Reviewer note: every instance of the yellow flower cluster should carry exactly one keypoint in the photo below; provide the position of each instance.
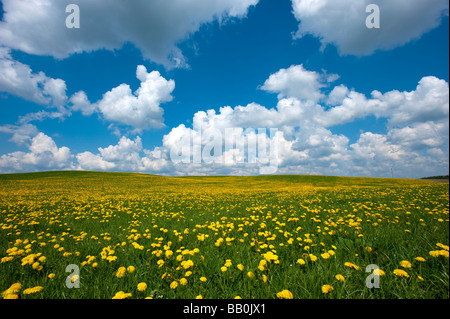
(443, 252)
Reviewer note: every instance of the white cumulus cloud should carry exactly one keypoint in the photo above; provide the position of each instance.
(154, 27)
(139, 109)
(43, 154)
(343, 22)
(18, 79)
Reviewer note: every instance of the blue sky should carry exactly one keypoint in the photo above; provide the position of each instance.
(308, 68)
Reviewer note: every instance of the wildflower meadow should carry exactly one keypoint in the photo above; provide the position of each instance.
(119, 235)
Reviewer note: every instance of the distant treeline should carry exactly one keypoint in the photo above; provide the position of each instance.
(436, 177)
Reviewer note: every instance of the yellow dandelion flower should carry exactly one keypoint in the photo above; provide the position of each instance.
(187, 264)
(223, 268)
(327, 288)
(199, 297)
(169, 253)
(203, 279)
(6, 259)
(131, 269)
(173, 285)
(183, 281)
(12, 290)
(339, 277)
(240, 267)
(251, 275)
(325, 255)
(400, 273)
(32, 290)
(434, 253)
(421, 259)
(445, 247)
(121, 295)
(285, 294)
(142, 286)
(301, 261)
(405, 264)
(121, 272)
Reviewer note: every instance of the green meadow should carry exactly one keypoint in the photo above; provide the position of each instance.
(122, 235)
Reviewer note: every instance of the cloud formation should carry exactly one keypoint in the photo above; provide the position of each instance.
(343, 23)
(223, 142)
(140, 109)
(43, 154)
(18, 79)
(154, 27)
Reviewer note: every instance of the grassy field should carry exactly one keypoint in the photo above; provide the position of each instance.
(143, 236)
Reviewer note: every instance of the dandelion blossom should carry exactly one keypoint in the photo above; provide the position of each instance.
(187, 264)
(13, 290)
(339, 277)
(327, 288)
(285, 294)
(142, 286)
(301, 261)
(121, 272)
(401, 273)
(405, 264)
(325, 255)
(183, 281)
(32, 290)
(121, 295)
